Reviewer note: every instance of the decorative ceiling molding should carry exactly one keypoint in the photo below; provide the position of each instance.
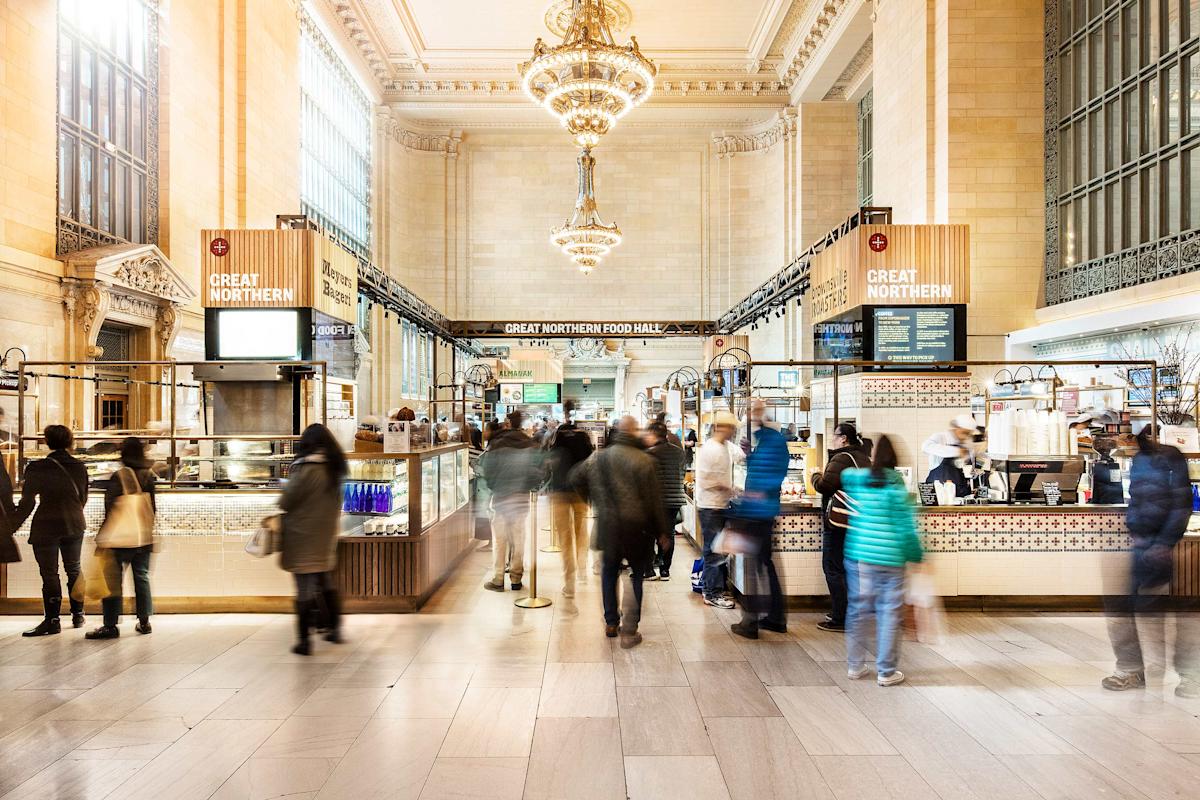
(408, 89)
(787, 30)
(362, 34)
(784, 127)
(447, 145)
(854, 73)
(558, 16)
(808, 37)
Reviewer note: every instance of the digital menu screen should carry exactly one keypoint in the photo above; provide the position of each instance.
(914, 335)
(839, 340)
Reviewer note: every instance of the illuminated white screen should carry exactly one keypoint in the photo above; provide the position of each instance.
(258, 333)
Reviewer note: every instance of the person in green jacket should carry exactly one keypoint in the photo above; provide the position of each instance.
(881, 541)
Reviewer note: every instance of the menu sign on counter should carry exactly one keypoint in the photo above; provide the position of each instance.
(1052, 492)
(914, 335)
(928, 493)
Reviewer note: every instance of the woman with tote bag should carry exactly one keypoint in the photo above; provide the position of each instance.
(128, 536)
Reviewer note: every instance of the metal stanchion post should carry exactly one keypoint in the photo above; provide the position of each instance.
(533, 601)
(555, 546)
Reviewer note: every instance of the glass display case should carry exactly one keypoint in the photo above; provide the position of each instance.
(464, 477)
(448, 485)
(375, 497)
(429, 492)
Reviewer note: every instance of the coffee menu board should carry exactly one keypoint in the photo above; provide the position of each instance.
(914, 335)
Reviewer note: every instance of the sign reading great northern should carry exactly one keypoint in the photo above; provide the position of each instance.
(278, 269)
(892, 265)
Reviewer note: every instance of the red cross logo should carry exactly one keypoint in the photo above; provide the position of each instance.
(877, 242)
(219, 246)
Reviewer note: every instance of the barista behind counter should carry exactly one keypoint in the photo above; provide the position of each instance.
(950, 450)
(1107, 486)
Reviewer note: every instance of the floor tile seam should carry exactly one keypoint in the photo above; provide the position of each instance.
(1029, 719)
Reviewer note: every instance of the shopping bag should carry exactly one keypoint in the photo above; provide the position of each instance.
(130, 521)
(928, 616)
(267, 539)
(92, 583)
(698, 576)
(733, 540)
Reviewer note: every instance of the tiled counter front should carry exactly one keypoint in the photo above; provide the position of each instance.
(984, 552)
(201, 552)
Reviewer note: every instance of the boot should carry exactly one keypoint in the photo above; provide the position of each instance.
(50, 624)
(303, 620)
(333, 614)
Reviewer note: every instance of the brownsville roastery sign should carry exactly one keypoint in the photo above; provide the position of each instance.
(899, 265)
(278, 269)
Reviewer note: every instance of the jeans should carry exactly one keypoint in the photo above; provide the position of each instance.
(46, 554)
(138, 559)
(627, 614)
(712, 521)
(760, 575)
(833, 564)
(568, 521)
(1137, 621)
(877, 590)
(509, 526)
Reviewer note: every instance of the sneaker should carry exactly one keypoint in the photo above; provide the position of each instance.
(103, 632)
(334, 636)
(650, 575)
(610, 631)
(143, 627)
(1121, 681)
(518, 586)
(568, 593)
(629, 640)
(492, 586)
(1188, 688)
(77, 620)
(832, 627)
(891, 679)
(718, 602)
(858, 673)
(664, 574)
(302, 648)
(743, 630)
(776, 627)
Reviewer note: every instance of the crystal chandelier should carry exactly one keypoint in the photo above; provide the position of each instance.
(589, 81)
(585, 237)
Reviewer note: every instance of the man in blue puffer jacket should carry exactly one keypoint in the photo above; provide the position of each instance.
(1160, 507)
(755, 512)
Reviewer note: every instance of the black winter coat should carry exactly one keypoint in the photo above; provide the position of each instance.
(829, 482)
(58, 486)
(1160, 497)
(621, 483)
(668, 460)
(8, 513)
(570, 446)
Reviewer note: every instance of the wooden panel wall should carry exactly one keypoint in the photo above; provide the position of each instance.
(1186, 580)
(940, 254)
(281, 259)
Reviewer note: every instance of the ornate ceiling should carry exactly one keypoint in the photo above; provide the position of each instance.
(726, 61)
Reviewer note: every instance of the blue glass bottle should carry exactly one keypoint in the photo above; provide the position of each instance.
(356, 499)
(1195, 498)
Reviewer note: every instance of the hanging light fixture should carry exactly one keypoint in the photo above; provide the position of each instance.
(589, 81)
(585, 237)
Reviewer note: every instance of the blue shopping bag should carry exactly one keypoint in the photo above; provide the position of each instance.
(698, 576)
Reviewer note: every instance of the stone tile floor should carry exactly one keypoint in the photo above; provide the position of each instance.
(475, 698)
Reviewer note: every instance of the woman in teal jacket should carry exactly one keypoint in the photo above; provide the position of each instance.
(882, 539)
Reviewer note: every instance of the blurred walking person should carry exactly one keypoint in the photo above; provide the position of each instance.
(58, 486)
(849, 451)
(9, 553)
(312, 508)
(511, 467)
(668, 461)
(128, 534)
(567, 447)
(621, 484)
(881, 542)
(755, 510)
(1160, 506)
(714, 492)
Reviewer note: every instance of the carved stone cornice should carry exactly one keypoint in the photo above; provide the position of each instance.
(139, 268)
(808, 37)
(784, 127)
(357, 29)
(854, 72)
(447, 145)
(492, 89)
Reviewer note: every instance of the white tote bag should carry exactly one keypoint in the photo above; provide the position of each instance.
(130, 521)
(267, 539)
